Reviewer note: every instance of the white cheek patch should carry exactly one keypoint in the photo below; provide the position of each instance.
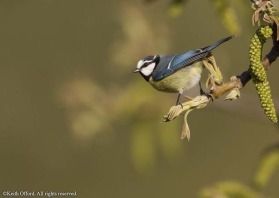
(148, 69)
(140, 64)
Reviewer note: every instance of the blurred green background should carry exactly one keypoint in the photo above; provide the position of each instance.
(75, 118)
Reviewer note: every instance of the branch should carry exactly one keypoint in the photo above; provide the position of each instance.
(218, 89)
(245, 77)
(264, 10)
(233, 86)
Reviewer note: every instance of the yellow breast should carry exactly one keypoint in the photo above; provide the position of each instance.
(181, 80)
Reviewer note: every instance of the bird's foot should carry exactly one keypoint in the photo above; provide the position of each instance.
(207, 94)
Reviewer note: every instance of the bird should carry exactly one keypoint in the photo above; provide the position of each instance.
(176, 73)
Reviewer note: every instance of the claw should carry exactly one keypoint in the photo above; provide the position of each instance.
(202, 92)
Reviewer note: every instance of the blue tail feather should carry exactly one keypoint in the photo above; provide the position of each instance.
(216, 44)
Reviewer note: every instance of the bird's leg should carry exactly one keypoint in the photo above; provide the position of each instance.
(202, 92)
(178, 97)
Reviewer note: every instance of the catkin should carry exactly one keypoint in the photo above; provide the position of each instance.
(258, 72)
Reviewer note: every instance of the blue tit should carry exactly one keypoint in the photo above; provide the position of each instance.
(178, 72)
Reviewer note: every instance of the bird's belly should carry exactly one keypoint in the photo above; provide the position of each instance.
(179, 81)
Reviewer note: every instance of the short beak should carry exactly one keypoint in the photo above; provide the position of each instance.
(136, 70)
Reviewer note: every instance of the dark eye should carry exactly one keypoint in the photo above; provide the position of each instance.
(146, 63)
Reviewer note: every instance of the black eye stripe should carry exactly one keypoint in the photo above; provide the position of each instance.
(149, 60)
(146, 63)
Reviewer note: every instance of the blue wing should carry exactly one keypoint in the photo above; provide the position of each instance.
(170, 64)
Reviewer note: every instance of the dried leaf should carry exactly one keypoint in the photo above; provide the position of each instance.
(233, 95)
(186, 129)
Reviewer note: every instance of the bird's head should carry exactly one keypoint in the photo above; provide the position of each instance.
(147, 65)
